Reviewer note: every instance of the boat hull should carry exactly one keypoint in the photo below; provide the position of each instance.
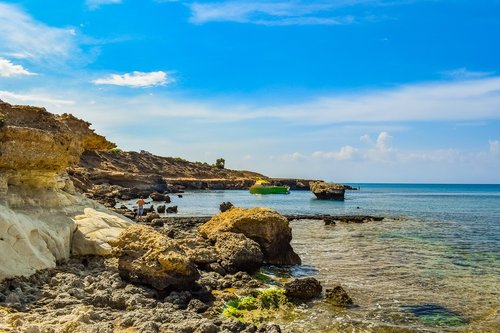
(269, 190)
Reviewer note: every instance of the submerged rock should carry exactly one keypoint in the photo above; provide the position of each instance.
(226, 205)
(148, 257)
(262, 225)
(338, 296)
(304, 289)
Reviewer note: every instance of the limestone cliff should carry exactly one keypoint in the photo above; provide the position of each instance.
(38, 202)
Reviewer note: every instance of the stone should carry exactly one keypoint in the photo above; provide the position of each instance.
(155, 196)
(327, 191)
(150, 258)
(338, 296)
(304, 289)
(94, 230)
(238, 253)
(161, 209)
(172, 210)
(226, 205)
(263, 225)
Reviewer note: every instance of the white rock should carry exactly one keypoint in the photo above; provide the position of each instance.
(94, 229)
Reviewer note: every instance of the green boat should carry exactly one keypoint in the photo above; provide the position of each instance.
(263, 187)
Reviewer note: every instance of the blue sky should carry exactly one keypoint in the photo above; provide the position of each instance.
(345, 90)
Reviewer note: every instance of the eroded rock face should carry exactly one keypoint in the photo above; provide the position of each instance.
(263, 225)
(148, 257)
(327, 191)
(37, 198)
(338, 296)
(94, 230)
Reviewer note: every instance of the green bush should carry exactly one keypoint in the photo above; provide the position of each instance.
(115, 150)
(2, 120)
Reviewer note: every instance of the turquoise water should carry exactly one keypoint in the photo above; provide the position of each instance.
(432, 266)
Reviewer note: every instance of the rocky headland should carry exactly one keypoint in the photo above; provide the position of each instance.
(70, 264)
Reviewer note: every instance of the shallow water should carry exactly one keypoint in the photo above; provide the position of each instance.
(432, 266)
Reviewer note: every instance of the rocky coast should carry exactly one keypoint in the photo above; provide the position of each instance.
(71, 262)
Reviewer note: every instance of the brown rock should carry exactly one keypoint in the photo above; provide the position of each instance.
(148, 257)
(305, 289)
(262, 225)
(327, 191)
(238, 253)
(338, 296)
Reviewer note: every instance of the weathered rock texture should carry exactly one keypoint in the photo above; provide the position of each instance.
(327, 191)
(304, 289)
(148, 257)
(94, 230)
(37, 199)
(263, 225)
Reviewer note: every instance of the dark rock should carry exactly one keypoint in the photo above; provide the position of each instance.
(225, 206)
(304, 289)
(179, 195)
(197, 306)
(172, 210)
(338, 296)
(161, 208)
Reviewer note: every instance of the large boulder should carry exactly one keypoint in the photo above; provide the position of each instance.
(262, 225)
(238, 253)
(327, 191)
(148, 257)
(338, 296)
(94, 230)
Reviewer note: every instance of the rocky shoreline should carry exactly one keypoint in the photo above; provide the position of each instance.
(71, 264)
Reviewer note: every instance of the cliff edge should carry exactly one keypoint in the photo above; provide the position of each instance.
(38, 202)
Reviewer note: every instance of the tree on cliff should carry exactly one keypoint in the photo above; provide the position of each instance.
(220, 163)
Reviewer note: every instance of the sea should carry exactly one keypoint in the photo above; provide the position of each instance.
(432, 265)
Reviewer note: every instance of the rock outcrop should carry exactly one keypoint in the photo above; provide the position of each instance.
(37, 199)
(263, 225)
(238, 253)
(327, 191)
(148, 257)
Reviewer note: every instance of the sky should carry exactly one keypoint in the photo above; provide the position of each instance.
(342, 90)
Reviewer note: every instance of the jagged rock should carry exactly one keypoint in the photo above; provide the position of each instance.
(305, 289)
(148, 257)
(226, 205)
(94, 230)
(172, 210)
(237, 252)
(161, 208)
(151, 216)
(327, 191)
(262, 225)
(338, 296)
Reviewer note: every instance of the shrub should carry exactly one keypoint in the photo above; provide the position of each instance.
(115, 150)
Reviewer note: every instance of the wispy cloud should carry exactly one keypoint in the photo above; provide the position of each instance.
(23, 37)
(464, 73)
(345, 153)
(94, 4)
(277, 13)
(136, 79)
(33, 99)
(494, 147)
(8, 69)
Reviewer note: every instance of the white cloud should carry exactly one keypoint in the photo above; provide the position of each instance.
(345, 153)
(93, 4)
(463, 73)
(8, 69)
(271, 12)
(382, 142)
(23, 37)
(136, 79)
(33, 99)
(455, 100)
(494, 147)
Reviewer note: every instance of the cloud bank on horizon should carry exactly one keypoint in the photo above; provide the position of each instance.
(352, 91)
